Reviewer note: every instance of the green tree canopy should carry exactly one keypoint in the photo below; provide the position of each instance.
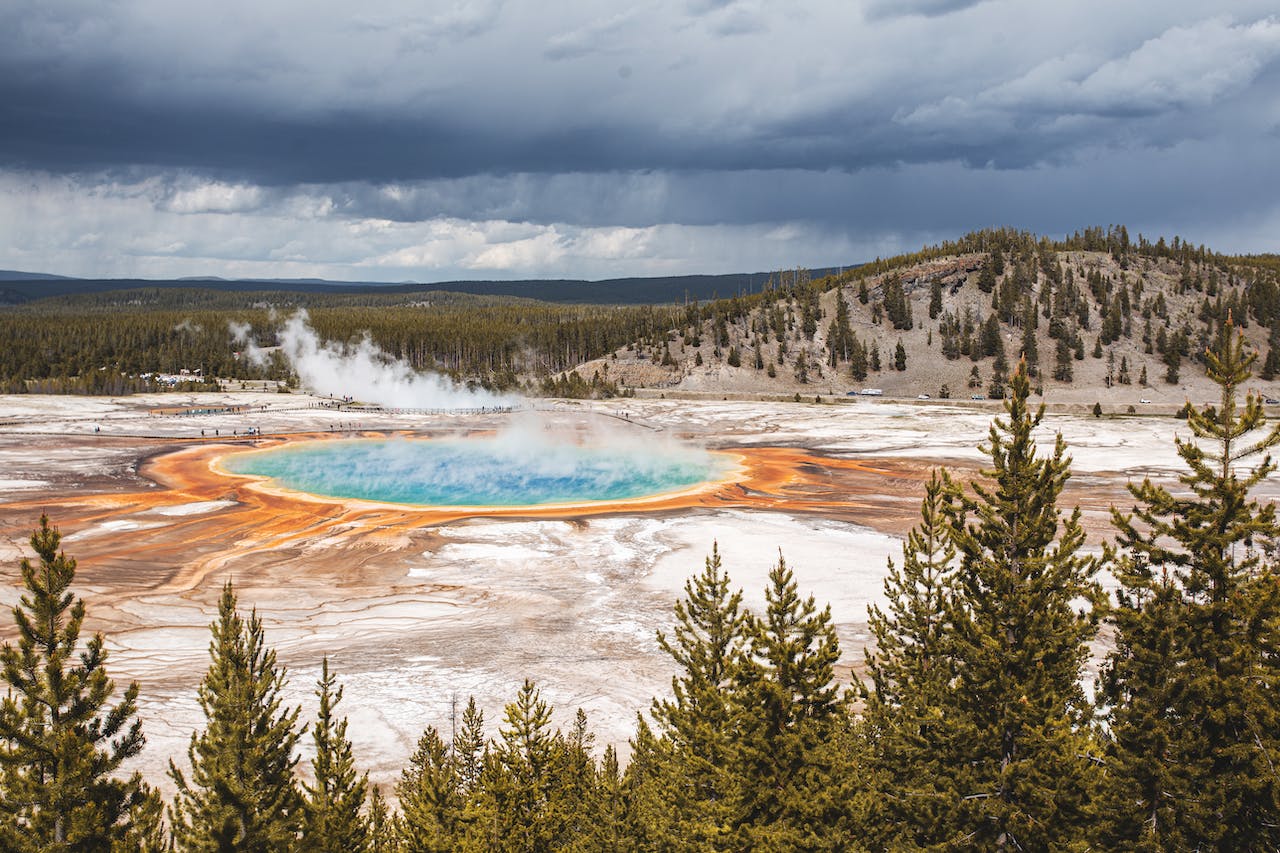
(60, 744)
(333, 821)
(706, 644)
(912, 670)
(242, 794)
(788, 715)
(1025, 606)
(1194, 682)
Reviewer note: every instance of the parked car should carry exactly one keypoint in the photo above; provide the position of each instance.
(923, 397)
(1271, 401)
(1144, 400)
(977, 397)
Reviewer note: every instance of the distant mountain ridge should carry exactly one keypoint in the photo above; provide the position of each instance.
(23, 287)
(19, 275)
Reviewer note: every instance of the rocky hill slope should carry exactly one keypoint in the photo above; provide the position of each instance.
(1098, 320)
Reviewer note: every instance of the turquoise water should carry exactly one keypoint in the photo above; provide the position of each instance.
(477, 471)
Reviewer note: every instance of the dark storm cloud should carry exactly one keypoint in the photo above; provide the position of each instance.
(912, 117)
(75, 127)
(233, 113)
(296, 115)
(932, 198)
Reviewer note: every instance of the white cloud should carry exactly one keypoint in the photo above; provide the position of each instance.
(130, 230)
(544, 251)
(599, 35)
(214, 197)
(1184, 67)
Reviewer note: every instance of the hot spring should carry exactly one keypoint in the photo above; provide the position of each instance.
(479, 471)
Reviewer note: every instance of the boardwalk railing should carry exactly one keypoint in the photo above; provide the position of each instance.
(468, 410)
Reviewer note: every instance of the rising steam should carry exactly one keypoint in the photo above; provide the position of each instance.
(363, 372)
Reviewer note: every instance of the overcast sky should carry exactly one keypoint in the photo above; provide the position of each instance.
(414, 139)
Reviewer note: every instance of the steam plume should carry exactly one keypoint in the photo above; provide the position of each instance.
(366, 373)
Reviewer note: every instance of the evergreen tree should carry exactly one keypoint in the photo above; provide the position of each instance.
(802, 368)
(1025, 607)
(789, 715)
(382, 829)
(911, 671)
(652, 798)
(999, 377)
(1192, 683)
(430, 800)
(468, 747)
(987, 277)
(59, 742)
(721, 331)
(707, 643)
(609, 829)
(1062, 370)
(992, 343)
(858, 360)
(1142, 788)
(333, 819)
(935, 299)
(840, 339)
(517, 784)
(146, 832)
(573, 799)
(900, 357)
(241, 795)
(1271, 365)
(1172, 363)
(896, 304)
(1030, 350)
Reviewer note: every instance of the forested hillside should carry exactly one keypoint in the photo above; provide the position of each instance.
(1097, 315)
(84, 344)
(25, 287)
(1094, 312)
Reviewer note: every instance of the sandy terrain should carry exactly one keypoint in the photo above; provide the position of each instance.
(418, 608)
